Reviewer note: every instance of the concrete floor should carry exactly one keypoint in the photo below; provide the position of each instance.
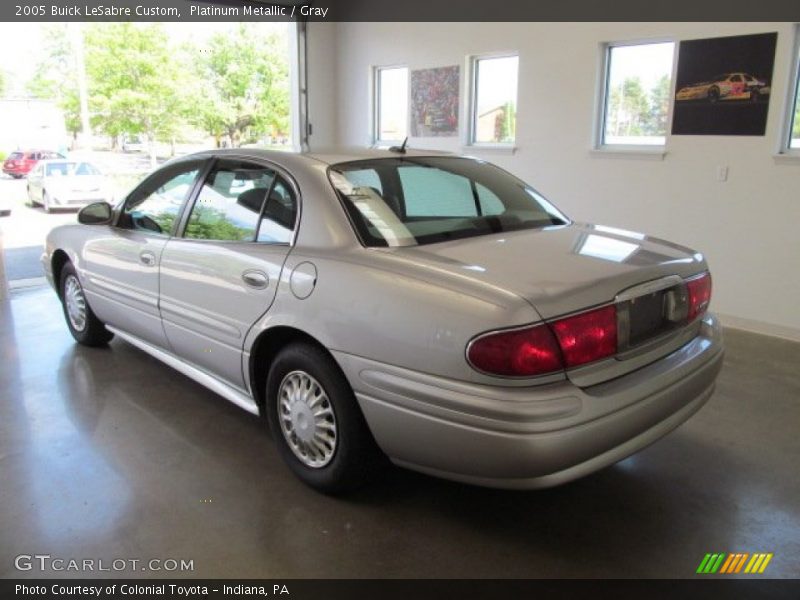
(106, 453)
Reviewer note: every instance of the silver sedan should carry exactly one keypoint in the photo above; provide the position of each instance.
(426, 308)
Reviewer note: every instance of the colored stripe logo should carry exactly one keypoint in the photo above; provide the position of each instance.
(737, 562)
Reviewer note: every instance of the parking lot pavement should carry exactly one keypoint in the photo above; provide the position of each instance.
(24, 230)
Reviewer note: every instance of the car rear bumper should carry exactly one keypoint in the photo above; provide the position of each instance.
(16, 170)
(531, 437)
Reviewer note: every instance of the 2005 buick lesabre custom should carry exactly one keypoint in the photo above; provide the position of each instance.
(424, 307)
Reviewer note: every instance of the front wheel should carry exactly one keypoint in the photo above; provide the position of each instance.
(316, 421)
(83, 324)
(46, 201)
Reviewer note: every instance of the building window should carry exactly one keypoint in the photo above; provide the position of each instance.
(794, 107)
(391, 104)
(637, 94)
(494, 99)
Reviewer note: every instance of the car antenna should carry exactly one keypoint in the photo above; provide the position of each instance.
(400, 149)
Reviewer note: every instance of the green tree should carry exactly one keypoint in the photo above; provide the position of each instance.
(134, 83)
(505, 127)
(245, 90)
(55, 77)
(656, 121)
(628, 108)
(207, 223)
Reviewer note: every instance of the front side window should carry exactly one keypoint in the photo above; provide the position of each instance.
(637, 94)
(391, 104)
(423, 200)
(156, 203)
(494, 103)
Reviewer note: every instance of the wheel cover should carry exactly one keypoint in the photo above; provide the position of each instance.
(307, 419)
(75, 302)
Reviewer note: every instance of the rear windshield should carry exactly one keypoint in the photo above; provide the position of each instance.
(57, 169)
(413, 201)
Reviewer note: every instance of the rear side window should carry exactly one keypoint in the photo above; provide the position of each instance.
(230, 202)
(280, 214)
(156, 203)
(243, 202)
(15, 155)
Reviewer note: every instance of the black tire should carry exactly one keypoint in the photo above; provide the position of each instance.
(93, 332)
(713, 94)
(755, 94)
(356, 457)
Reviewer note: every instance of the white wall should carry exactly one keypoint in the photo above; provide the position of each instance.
(322, 102)
(747, 226)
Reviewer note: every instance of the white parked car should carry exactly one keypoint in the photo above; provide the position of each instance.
(67, 183)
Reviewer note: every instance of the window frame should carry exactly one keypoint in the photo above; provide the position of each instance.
(375, 113)
(792, 96)
(601, 104)
(472, 100)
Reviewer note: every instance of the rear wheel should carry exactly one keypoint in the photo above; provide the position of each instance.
(83, 324)
(316, 421)
(713, 94)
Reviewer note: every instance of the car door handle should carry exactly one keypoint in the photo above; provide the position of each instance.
(147, 258)
(256, 279)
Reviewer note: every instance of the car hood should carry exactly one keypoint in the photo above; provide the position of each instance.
(559, 269)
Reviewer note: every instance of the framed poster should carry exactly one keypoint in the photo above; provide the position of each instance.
(723, 85)
(434, 102)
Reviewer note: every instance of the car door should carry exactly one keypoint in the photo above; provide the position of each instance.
(121, 262)
(220, 276)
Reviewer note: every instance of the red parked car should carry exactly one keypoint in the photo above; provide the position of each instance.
(18, 164)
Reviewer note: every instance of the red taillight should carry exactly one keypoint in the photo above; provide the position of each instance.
(518, 353)
(541, 349)
(588, 336)
(567, 342)
(699, 290)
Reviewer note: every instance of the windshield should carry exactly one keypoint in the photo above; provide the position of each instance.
(62, 169)
(414, 201)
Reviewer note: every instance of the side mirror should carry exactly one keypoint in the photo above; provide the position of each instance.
(97, 213)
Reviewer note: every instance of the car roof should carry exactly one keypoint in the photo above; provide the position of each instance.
(328, 156)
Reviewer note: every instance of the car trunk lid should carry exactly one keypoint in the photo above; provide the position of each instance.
(562, 270)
